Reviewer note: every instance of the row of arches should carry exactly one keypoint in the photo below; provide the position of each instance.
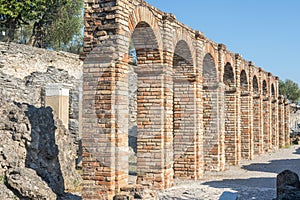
(194, 112)
(226, 115)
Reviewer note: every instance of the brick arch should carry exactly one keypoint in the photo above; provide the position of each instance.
(257, 120)
(266, 107)
(212, 142)
(244, 80)
(246, 133)
(264, 87)
(183, 61)
(273, 92)
(109, 27)
(255, 84)
(143, 14)
(273, 86)
(209, 49)
(228, 75)
(209, 71)
(184, 35)
(145, 43)
(184, 109)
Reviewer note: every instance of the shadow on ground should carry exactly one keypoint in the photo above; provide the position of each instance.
(297, 151)
(258, 187)
(263, 182)
(275, 166)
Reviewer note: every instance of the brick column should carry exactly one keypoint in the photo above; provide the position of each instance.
(287, 123)
(275, 124)
(199, 45)
(168, 99)
(213, 121)
(238, 64)
(266, 124)
(57, 97)
(257, 124)
(221, 128)
(185, 113)
(281, 122)
(185, 131)
(150, 122)
(231, 138)
(98, 137)
(168, 127)
(121, 123)
(246, 134)
(213, 115)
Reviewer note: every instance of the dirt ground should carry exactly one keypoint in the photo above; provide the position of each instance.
(252, 179)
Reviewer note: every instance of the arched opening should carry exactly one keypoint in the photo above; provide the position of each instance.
(132, 116)
(228, 76)
(267, 135)
(255, 85)
(246, 134)
(273, 90)
(264, 88)
(146, 122)
(257, 132)
(212, 147)
(186, 155)
(232, 139)
(274, 120)
(244, 81)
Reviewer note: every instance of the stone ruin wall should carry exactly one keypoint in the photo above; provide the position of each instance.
(199, 106)
(25, 72)
(36, 147)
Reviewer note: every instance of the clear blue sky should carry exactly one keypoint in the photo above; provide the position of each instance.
(266, 32)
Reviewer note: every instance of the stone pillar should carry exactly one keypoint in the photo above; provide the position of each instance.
(57, 97)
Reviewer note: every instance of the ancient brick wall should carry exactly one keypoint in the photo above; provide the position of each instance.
(199, 106)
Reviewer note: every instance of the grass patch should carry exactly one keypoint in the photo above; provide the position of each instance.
(3, 179)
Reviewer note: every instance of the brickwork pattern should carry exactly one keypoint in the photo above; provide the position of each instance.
(199, 106)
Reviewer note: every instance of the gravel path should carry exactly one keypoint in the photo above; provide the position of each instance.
(255, 179)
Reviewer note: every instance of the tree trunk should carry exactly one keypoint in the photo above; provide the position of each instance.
(11, 29)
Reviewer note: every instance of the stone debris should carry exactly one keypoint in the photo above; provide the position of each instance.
(27, 184)
(288, 186)
(37, 154)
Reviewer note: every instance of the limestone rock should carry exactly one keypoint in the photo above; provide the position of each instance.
(5, 193)
(36, 149)
(29, 185)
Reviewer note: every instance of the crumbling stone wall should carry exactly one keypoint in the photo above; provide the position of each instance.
(199, 106)
(36, 147)
(25, 71)
(21, 60)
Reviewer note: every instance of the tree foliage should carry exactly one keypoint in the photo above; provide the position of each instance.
(290, 90)
(53, 23)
